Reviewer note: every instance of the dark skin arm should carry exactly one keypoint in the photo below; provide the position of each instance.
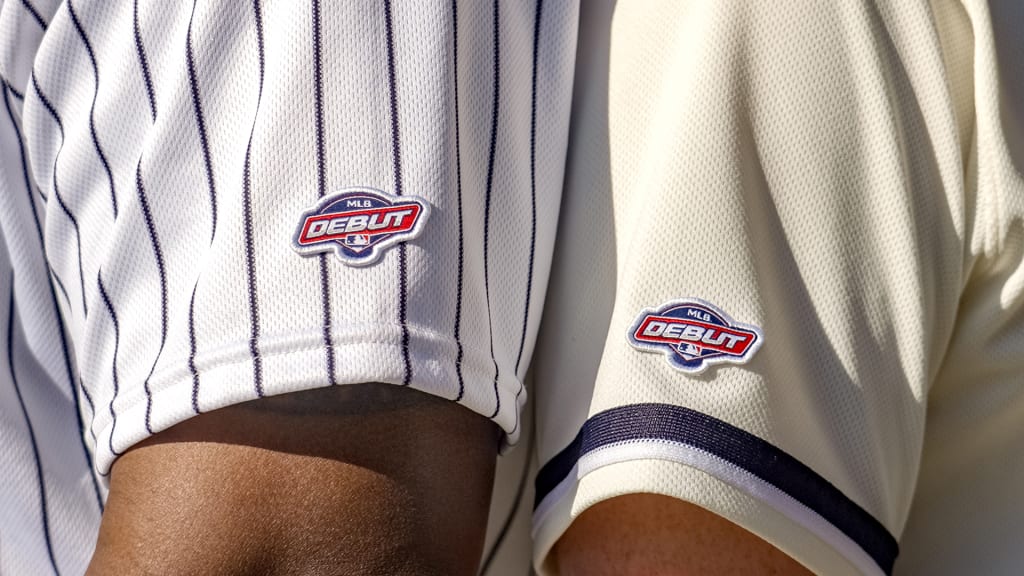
(654, 535)
(364, 479)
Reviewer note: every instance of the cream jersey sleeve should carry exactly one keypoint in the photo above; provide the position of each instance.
(791, 243)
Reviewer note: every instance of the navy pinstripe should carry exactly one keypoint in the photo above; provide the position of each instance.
(63, 291)
(92, 105)
(31, 432)
(24, 169)
(487, 200)
(192, 350)
(65, 352)
(113, 363)
(204, 146)
(35, 14)
(143, 61)
(78, 411)
(197, 105)
(21, 149)
(14, 91)
(321, 185)
(250, 256)
(396, 149)
(533, 180)
(158, 255)
(458, 185)
(533, 198)
(56, 189)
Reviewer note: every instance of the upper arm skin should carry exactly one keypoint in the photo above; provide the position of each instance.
(362, 479)
(654, 535)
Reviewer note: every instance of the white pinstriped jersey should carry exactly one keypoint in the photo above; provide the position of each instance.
(790, 237)
(164, 154)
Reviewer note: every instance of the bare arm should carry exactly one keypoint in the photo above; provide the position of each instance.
(649, 534)
(366, 479)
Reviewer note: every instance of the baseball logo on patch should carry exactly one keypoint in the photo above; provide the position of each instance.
(359, 224)
(694, 334)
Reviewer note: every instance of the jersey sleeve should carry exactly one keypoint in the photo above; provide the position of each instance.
(967, 512)
(253, 198)
(760, 263)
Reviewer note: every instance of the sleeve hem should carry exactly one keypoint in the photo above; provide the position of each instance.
(732, 457)
(678, 480)
(225, 376)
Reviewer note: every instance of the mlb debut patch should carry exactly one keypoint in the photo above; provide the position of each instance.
(694, 334)
(359, 224)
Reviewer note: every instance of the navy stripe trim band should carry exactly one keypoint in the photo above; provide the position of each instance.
(665, 422)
